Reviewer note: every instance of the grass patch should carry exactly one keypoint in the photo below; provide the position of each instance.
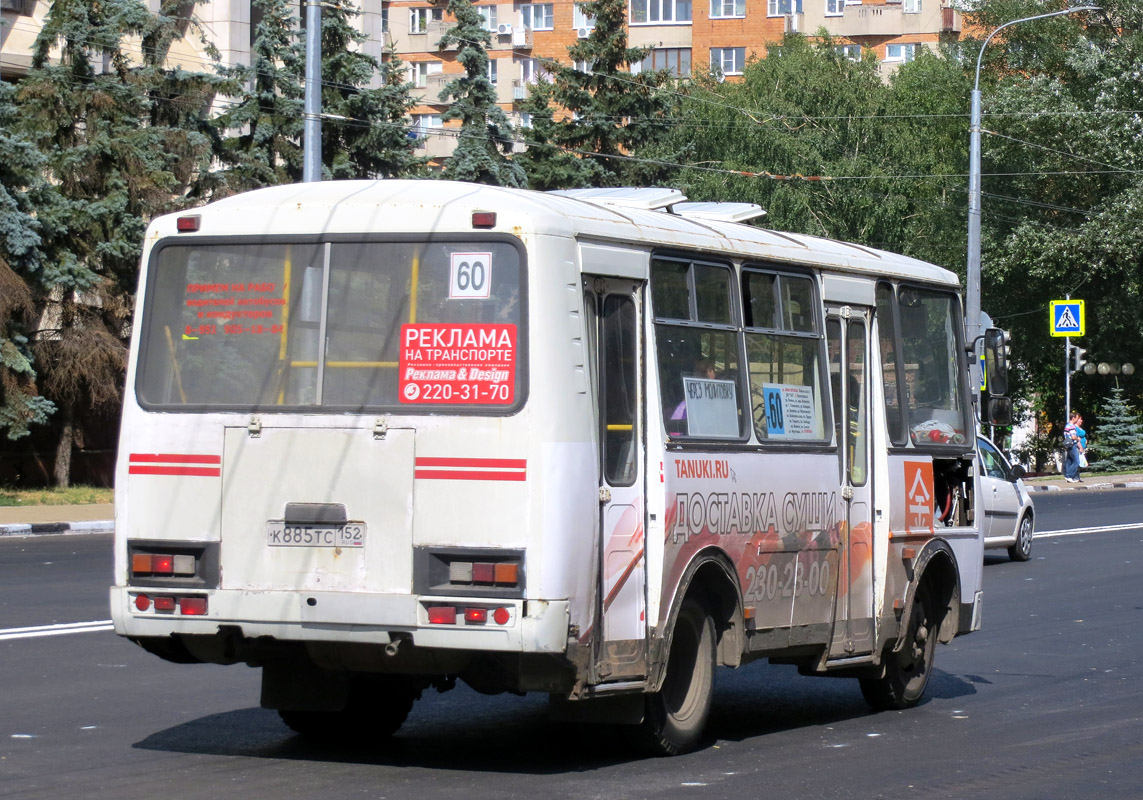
(74, 495)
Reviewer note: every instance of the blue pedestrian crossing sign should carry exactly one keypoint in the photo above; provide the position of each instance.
(1067, 318)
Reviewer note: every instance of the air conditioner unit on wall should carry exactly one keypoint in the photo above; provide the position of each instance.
(504, 29)
(583, 33)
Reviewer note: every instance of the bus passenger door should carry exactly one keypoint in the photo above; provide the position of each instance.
(847, 334)
(621, 622)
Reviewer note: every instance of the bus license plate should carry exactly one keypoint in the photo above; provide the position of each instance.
(279, 534)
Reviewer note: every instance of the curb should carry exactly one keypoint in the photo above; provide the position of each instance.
(49, 528)
(1114, 485)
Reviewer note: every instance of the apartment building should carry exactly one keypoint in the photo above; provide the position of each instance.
(685, 36)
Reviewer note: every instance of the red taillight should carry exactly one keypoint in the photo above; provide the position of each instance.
(483, 573)
(164, 604)
(163, 565)
(484, 219)
(477, 616)
(501, 616)
(188, 224)
(442, 615)
(192, 606)
(142, 602)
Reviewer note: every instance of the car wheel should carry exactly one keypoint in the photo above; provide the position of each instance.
(907, 670)
(1021, 549)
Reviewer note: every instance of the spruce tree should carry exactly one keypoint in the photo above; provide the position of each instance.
(372, 141)
(122, 140)
(485, 135)
(23, 196)
(604, 113)
(263, 108)
(1120, 435)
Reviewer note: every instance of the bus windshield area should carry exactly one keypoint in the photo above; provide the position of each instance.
(339, 325)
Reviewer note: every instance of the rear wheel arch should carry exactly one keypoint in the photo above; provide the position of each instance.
(937, 566)
(711, 579)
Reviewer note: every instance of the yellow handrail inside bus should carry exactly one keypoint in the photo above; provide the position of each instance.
(620, 427)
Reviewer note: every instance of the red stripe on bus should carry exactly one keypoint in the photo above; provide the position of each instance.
(468, 475)
(205, 472)
(502, 463)
(174, 458)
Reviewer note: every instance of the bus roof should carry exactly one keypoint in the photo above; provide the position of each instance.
(410, 206)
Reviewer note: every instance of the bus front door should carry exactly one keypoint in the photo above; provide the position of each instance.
(847, 333)
(621, 623)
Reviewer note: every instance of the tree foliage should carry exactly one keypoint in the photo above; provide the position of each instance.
(1120, 435)
(485, 136)
(587, 122)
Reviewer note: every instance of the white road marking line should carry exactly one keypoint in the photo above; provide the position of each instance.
(61, 629)
(1080, 531)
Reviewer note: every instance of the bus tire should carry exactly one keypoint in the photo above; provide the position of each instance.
(676, 715)
(376, 709)
(907, 671)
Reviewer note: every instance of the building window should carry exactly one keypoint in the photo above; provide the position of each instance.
(423, 123)
(834, 8)
(645, 12)
(538, 16)
(584, 66)
(489, 14)
(911, 6)
(492, 71)
(850, 51)
(675, 59)
(780, 8)
(727, 60)
(419, 18)
(727, 9)
(529, 70)
(384, 17)
(421, 70)
(900, 52)
(525, 119)
(582, 20)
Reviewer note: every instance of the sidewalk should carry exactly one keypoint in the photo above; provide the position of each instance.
(27, 520)
(1052, 483)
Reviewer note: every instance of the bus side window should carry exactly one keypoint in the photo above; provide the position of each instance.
(893, 380)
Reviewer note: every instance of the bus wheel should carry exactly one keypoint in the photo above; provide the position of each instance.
(907, 671)
(676, 715)
(376, 709)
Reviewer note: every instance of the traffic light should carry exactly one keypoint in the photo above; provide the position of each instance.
(1080, 356)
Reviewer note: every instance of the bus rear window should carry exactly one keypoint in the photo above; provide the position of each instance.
(424, 326)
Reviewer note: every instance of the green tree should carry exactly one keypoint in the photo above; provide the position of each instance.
(23, 195)
(264, 104)
(601, 115)
(122, 139)
(372, 140)
(485, 135)
(1119, 437)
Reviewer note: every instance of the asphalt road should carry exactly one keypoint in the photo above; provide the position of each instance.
(1043, 703)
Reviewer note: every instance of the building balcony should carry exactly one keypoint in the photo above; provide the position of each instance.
(435, 143)
(886, 20)
(950, 20)
(435, 31)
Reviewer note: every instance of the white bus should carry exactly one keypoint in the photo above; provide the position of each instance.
(379, 436)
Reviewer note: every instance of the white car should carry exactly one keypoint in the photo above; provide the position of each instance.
(1009, 516)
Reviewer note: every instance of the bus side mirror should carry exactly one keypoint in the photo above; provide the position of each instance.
(996, 361)
(999, 411)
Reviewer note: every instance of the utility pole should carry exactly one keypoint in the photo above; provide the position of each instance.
(311, 151)
(972, 292)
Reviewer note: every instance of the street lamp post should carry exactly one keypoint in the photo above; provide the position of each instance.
(972, 278)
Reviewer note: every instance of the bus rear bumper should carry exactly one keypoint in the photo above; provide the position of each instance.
(481, 624)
